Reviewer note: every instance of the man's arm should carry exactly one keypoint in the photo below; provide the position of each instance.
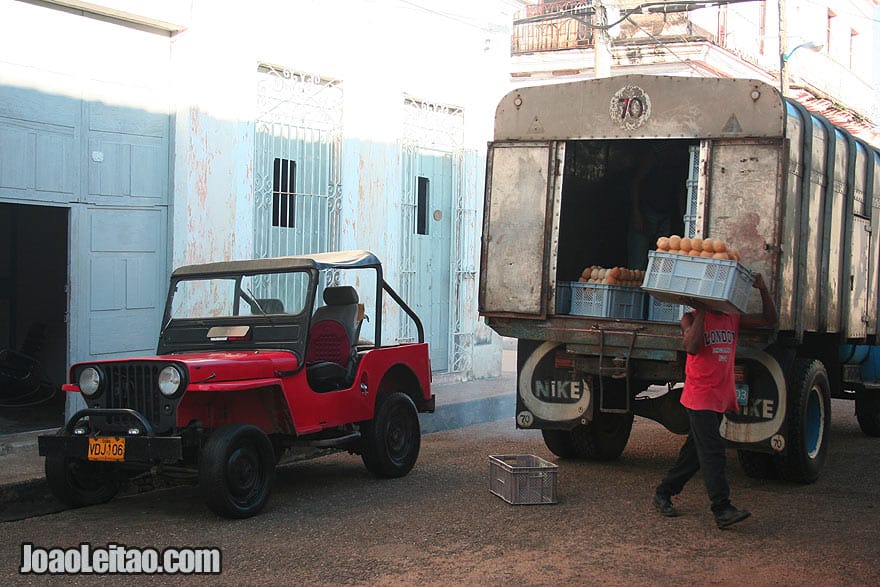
(692, 330)
(768, 316)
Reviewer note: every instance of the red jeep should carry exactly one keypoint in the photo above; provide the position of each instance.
(245, 370)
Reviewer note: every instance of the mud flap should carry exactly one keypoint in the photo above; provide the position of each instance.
(759, 423)
(550, 393)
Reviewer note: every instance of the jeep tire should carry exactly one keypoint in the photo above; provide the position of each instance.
(391, 440)
(78, 483)
(236, 470)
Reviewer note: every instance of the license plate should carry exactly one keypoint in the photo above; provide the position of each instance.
(742, 394)
(107, 449)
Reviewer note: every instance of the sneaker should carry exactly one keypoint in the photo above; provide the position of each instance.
(731, 516)
(664, 505)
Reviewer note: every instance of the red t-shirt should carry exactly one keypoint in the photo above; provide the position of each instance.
(708, 375)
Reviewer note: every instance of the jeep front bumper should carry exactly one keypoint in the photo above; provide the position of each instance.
(146, 448)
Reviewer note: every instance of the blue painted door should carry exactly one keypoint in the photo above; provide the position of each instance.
(432, 231)
(118, 282)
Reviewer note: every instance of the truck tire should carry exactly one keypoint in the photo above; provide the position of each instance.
(236, 470)
(808, 420)
(391, 440)
(603, 439)
(78, 483)
(758, 465)
(868, 412)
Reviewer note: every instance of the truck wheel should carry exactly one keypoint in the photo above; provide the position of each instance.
(391, 440)
(758, 465)
(868, 412)
(236, 470)
(808, 419)
(559, 443)
(79, 483)
(603, 439)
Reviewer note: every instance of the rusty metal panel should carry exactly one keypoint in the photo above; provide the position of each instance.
(641, 106)
(872, 198)
(744, 205)
(791, 214)
(812, 232)
(835, 284)
(857, 320)
(519, 178)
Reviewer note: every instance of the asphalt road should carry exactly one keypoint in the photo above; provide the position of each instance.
(330, 523)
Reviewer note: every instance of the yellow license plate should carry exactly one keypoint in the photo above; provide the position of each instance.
(107, 449)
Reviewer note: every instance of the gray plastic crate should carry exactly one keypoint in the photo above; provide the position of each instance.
(660, 311)
(721, 285)
(605, 301)
(563, 297)
(522, 479)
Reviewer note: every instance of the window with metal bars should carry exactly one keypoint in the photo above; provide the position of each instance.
(283, 193)
(422, 206)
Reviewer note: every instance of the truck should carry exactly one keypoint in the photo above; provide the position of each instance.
(257, 360)
(796, 195)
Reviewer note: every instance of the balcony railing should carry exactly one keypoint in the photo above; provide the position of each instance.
(553, 26)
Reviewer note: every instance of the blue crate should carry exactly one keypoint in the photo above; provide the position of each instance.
(563, 297)
(660, 311)
(690, 225)
(605, 301)
(721, 285)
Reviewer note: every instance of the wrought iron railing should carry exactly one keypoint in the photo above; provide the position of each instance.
(552, 26)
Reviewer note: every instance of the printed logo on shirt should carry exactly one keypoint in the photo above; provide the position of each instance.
(718, 337)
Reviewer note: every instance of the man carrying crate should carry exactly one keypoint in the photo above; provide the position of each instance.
(709, 391)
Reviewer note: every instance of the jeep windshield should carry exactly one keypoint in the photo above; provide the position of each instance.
(263, 294)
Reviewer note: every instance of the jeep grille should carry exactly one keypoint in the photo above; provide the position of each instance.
(134, 386)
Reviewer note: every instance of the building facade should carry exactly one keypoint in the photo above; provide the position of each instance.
(827, 52)
(140, 136)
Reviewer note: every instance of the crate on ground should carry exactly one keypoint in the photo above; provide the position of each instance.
(719, 284)
(603, 301)
(522, 479)
(660, 311)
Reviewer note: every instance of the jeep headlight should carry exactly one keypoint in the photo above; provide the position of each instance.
(89, 381)
(169, 380)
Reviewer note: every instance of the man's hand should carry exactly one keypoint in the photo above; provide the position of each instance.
(759, 282)
(768, 316)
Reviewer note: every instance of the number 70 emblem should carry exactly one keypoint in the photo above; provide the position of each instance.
(630, 107)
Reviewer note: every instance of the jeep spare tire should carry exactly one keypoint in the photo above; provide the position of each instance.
(236, 471)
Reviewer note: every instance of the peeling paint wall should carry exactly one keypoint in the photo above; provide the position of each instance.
(456, 53)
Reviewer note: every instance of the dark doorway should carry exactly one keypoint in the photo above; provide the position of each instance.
(33, 305)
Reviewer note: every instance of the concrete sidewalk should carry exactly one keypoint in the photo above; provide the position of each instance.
(24, 492)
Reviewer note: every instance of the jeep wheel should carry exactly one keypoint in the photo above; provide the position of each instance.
(391, 440)
(79, 483)
(236, 470)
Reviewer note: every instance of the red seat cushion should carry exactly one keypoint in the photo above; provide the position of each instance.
(328, 341)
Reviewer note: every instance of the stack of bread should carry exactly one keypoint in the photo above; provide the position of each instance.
(697, 247)
(612, 276)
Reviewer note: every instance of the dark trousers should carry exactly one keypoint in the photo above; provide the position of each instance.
(703, 450)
